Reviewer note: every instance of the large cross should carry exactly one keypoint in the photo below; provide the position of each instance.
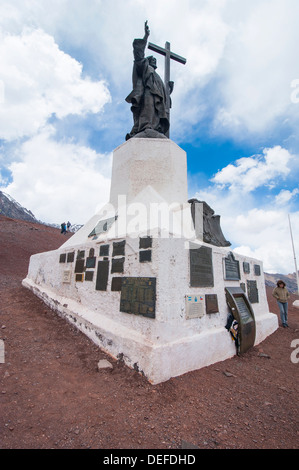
(168, 55)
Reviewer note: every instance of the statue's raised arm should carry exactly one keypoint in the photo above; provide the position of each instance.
(146, 31)
(139, 46)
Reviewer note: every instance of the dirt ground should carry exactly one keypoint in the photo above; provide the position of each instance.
(53, 396)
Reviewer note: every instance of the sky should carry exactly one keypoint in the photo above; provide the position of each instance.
(66, 69)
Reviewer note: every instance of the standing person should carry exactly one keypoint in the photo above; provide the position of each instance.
(68, 226)
(282, 296)
(63, 228)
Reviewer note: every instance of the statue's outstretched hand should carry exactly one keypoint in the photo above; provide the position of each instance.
(146, 30)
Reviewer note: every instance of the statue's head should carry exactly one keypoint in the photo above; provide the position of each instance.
(152, 61)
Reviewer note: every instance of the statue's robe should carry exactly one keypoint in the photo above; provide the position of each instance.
(148, 97)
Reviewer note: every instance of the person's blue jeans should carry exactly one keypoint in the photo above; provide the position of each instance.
(283, 308)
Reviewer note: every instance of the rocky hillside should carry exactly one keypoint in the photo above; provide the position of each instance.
(11, 208)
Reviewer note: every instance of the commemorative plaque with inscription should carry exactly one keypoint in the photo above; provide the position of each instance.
(145, 242)
(253, 293)
(211, 304)
(195, 306)
(66, 279)
(117, 265)
(91, 262)
(80, 254)
(231, 268)
(138, 296)
(62, 258)
(242, 312)
(70, 257)
(79, 266)
(102, 275)
(116, 284)
(145, 256)
(102, 226)
(89, 275)
(246, 267)
(201, 267)
(257, 270)
(104, 250)
(119, 248)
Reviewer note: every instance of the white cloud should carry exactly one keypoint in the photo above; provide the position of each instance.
(59, 180)
(261, 233)
(265, 235)
(39, 80)
(285, 196)
(104, 31)
(247, 47)
(250, 173)
(259, 67)
(256, 227)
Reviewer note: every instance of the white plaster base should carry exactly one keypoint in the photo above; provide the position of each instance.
(167, 346)
(157, 360)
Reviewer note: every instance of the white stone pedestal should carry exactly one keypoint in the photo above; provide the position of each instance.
(158, 163)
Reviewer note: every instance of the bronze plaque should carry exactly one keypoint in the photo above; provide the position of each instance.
(91, 262)
(89, 275)
(201, 267)
(62, 258)
(232, 268)
(246, 267)
(117, 265)
(253, 293)
(80, 254)
(119, 248)
(145, 242)
(104, 250)
(243, 286)
(102, 226)
(102, 275)
(138, 296)
(145, 256)
(211, 304)
(242, 312)
(116, 283)
(257, 270)
(79, 267)
(70, 257)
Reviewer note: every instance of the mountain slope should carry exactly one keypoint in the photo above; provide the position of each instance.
(288, 279)
(9, 207)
